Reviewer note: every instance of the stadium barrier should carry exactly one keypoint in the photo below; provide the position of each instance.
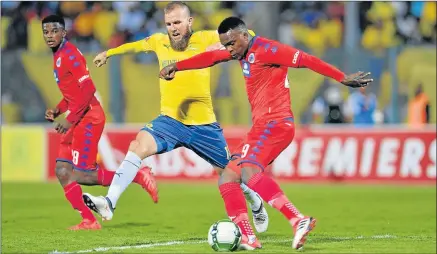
(22, 156)
(389, 154)
(319, 153)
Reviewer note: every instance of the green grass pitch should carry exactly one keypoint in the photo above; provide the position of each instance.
(351, 219)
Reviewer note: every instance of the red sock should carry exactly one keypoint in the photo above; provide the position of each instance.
(73, 192)
(236, 206)
(270, 191)
(105, 177)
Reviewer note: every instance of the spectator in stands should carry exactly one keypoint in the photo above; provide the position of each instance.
(285, 29)
(131, 18)
(84, 28)
(17, 30)
(419, 109)
(329, 107)
(361, 107)
(406, 23)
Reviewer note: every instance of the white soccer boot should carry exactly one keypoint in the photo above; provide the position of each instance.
(100, 205)
(301, 229)
(260, 216)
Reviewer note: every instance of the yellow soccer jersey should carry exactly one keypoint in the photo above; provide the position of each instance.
(186, 98)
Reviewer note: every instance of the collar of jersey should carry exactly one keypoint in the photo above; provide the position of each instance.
(62, 45)
(251, 44)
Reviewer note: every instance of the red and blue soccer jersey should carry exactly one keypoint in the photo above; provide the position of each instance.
(265, 68)
(79, 146)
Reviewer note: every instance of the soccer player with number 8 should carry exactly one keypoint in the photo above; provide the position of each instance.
(265, 66)
(82, 128)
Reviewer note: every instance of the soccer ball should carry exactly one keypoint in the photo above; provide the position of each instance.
(224, 235)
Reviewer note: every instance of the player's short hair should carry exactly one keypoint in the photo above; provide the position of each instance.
(54, 19)
(230, 24)
(177, 4)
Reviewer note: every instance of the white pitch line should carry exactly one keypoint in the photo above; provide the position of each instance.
(171, 243)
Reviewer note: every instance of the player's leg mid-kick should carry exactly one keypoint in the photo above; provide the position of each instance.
(76, 165)
(142, 147)
(162, 135)
(263, 144)
(213, 148)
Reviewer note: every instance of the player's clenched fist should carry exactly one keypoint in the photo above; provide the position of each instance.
(168, 72)
(51, 114)
(62, 125)
(100, 59)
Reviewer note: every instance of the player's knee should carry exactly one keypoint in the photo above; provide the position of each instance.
(142, 150)
(248, 171)
(63, 171)
(144, 145)
(228, 176)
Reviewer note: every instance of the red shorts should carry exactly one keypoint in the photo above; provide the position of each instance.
(264, 142)
(79, 146)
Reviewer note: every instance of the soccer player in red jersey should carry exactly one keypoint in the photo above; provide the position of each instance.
(265, 66)
(82, 128)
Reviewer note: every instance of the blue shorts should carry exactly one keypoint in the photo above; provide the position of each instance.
(207, 140)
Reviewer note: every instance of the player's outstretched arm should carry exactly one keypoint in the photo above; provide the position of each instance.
(294, 58)
(132, 47)
(200, 61)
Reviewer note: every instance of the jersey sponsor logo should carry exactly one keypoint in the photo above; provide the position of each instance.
(251, 58)
(246, 69)
(55, 73)
(296, 55)
(83, 78)
(58, 62)
(164, 63)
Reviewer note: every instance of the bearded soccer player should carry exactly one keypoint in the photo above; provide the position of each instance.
(265, 65)
(81, 129)
(187, 117)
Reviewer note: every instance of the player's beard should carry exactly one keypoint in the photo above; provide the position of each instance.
(182, 44)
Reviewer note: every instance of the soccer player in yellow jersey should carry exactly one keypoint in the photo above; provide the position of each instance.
(187, 118)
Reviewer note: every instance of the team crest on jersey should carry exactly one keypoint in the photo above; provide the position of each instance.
(58, 62)
(246, 68)
(251, 58)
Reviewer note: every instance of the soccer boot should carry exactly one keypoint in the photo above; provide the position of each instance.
(100, 205)
(260, 217)
(249, 243)
(87, 225)
(147, 181)
(301, 229)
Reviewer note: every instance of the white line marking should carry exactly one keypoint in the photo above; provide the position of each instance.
(172, 243)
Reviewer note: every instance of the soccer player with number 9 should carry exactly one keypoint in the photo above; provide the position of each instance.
(265, 66)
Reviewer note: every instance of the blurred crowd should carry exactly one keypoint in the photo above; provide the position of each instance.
(96, 25)
(316, 27)
(319, 25)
